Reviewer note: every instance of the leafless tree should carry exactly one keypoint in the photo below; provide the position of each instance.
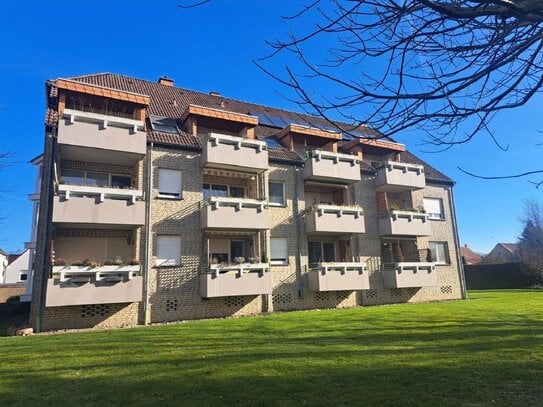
(415, 64)
(530, 242)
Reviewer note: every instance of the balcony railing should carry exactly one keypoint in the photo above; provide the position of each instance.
(234, 280)
(333, 167)
(109, 206)
(335, 219)
(404, 223)
(397, 177)
(409, 275)
(231, 152)
(338, 277)
(235, 213)
(102, 132)
(78, 285)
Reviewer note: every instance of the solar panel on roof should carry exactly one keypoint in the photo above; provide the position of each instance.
(271, 142)
(262, 119)
(278, 121)
(164, 124)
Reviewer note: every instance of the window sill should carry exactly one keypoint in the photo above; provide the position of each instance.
(169, 266)
(279, 263)
(275, 205)
(437, 219)
(171, 198)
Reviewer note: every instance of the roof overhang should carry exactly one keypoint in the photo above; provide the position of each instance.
(196, 110)
(81, 87)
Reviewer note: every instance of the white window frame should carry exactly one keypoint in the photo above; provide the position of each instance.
(173, 244)
(282, 204)
(21, 274)
(170, 194)
(434, 215)
(445, 245)
(280, 260)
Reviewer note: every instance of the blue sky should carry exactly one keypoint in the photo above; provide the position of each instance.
(211, 48)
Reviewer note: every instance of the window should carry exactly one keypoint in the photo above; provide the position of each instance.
(224, 191)
(434, 208)
(319, 252)
(23, 277)
(440, 252)
(72, 177)
(278, 249)
(168, 250)
(95, 179)
(169, 183)
(121, 181)
(277, 193)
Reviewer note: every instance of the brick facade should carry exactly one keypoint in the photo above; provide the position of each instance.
(172, 293)
(11, 290)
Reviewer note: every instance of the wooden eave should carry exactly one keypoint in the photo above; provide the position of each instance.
(76, 86)
(387, 145)
(195, 110)
(308, 131)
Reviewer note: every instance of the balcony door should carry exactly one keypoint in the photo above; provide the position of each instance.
(319, 252)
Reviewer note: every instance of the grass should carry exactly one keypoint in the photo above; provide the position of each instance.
(487, 350)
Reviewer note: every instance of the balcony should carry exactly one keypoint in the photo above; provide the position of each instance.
(81, 131)
(338, 277)
(230, 152)
(235, 213)
(397, 177)
(332, 167)
(332, 219)
(405, 223)
(76, 285)
(96, 205)
(242, 279)
(409, 275)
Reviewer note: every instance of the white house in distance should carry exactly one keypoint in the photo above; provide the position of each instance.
(3, 264)
(17, 269)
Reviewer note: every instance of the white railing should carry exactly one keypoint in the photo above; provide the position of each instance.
(239, 203)
(336, 157)
(104, 120)
(410, 266)
(410, 215)
(239, 142)
(339, 210)
(101, 273)
(240, 269)
(343, 267)
(102, 193)
(404, 167)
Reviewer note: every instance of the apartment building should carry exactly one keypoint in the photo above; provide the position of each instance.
(158, 203)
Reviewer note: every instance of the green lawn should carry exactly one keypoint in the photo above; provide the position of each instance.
(487, 350)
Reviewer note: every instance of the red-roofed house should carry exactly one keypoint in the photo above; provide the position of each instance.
(469, 257)
(502, 253)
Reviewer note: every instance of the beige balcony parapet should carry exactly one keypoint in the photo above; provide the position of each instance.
(131, 195)
(396, 176)
(226, 151)
(409, 275)
(73, 285)
(335, 219)
(329, 166)
(102, 132)
(405, 223)
(104, 120)
(66, 273)
(235, 213)
(234, 280)
(344, 276)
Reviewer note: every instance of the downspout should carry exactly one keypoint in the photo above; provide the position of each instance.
(457, 243)
(298, 221)
(149, 203)
(47, 222)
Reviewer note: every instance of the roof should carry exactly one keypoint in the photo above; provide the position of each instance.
(510, 247)
(469, 256)
(173, 102)
(14, 256)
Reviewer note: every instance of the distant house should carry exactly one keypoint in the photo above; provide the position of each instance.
(469, 257)
(3, 264)
(17, 268)
(503, 253)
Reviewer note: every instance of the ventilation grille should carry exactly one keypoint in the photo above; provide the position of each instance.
(372, 294)
(96, 310)
(446, 289)
(281, 298)
(234, 301)
(171, 305)
(396, 292)
(322, 296)
(342, 295)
